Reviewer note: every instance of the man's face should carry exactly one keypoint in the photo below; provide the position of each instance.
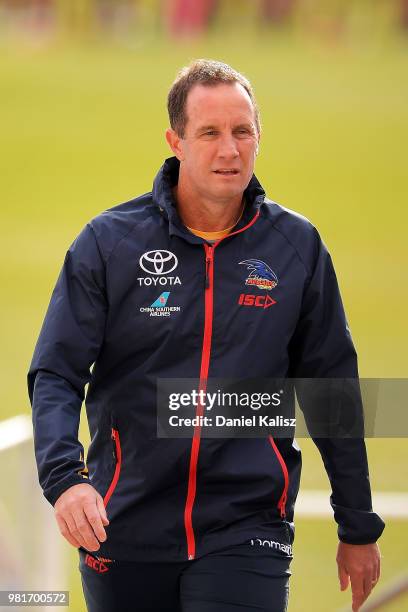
(220, 141)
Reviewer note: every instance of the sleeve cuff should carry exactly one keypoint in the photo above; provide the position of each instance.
(357, 526)
(51, 494)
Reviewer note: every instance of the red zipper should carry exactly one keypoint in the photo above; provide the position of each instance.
(284, 496)
(205, 365)
(118, 454)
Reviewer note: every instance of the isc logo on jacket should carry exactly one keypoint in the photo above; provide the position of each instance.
(261, 301)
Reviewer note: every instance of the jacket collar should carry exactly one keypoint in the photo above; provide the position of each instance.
(163, 197)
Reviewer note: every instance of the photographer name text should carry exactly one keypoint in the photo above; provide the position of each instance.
(256, 420)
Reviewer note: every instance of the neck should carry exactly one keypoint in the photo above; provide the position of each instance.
(204, 214)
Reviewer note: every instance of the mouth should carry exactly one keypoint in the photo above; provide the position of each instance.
(227, 172)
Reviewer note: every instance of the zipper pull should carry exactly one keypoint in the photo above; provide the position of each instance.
(208, 251)
(113, 437)
(207, 274)
(282, 505)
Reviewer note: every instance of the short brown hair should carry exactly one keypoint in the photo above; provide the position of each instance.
(203, 72)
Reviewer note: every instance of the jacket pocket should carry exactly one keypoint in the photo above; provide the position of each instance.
(117, 450)
(290, 531)
(284, 495)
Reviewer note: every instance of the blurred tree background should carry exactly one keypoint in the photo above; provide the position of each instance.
(195, 17)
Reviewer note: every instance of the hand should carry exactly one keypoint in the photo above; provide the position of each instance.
(81, 516)
(360, 562)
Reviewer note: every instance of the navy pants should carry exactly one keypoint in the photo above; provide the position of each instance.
(248, 577)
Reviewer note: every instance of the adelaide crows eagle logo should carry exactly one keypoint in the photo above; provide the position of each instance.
(261, 275)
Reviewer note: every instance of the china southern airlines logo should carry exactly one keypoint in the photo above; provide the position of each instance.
(159, 264)
(159, 307)
(161, 300)
(261, 275)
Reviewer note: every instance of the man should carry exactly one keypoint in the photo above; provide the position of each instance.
(155, 289)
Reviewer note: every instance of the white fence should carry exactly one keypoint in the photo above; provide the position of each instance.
(33, 555)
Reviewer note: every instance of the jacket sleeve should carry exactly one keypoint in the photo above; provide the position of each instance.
(69, 342)
(321, 347)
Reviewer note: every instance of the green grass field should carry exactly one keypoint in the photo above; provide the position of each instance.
(82, 129)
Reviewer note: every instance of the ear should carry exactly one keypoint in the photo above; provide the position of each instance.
(257, 145)
(175, 143)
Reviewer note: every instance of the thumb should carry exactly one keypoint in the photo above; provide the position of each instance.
(102, 511)
(343, 578)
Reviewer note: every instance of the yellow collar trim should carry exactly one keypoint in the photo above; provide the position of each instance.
(218, 234)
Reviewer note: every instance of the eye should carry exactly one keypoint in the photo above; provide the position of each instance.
(243, 132)
(210, 133)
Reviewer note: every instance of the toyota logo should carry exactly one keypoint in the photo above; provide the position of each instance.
(158, 262)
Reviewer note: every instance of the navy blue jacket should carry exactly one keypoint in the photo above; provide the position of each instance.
(182, 498)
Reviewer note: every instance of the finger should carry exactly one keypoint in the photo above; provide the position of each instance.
(375, 574)
(63, 527)
(85, 530)
(68, 518)
(102, 510)
(378, 570)
(343, 578)
(357, 588)
(369, 583)
(94, 518)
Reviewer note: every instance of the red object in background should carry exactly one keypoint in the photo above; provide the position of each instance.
(404, 14)
(32, 14)
(276, 11)
(186, 17)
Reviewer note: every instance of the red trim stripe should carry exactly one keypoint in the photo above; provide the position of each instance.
(283, 497)
(112, 486)
(204, 368)
(254, 218)
(205, 364)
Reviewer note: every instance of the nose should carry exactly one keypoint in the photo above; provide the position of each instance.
(227, 147)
